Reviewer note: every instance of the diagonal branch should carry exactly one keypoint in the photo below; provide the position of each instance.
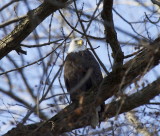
(135, 100)
(27, 25)
(156, 2)
(130, 72)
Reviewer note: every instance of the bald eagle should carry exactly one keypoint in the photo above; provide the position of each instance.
(81, 73)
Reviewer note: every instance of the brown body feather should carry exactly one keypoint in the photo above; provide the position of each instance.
(77, 66)
(81, 73)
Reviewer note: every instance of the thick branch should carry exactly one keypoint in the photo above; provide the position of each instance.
(135, 100)
(111, 35)
(27, 25)
(129, 73)
(156, 2)
(69, 118)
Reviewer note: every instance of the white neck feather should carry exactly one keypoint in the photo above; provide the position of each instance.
(75, 48)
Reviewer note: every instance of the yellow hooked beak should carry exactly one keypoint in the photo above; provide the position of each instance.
(80, 42)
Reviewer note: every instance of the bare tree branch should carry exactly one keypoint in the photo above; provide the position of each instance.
(156, 2)
(136, 123)
(26, 26)
(11, 21)
(111, 35)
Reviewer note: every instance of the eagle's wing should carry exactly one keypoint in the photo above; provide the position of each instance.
(82, 72)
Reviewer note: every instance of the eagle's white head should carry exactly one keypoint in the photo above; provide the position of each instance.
(76, 45)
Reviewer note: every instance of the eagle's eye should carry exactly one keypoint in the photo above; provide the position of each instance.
(79, 42)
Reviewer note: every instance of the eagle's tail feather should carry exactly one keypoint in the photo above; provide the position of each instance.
(95, 117)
